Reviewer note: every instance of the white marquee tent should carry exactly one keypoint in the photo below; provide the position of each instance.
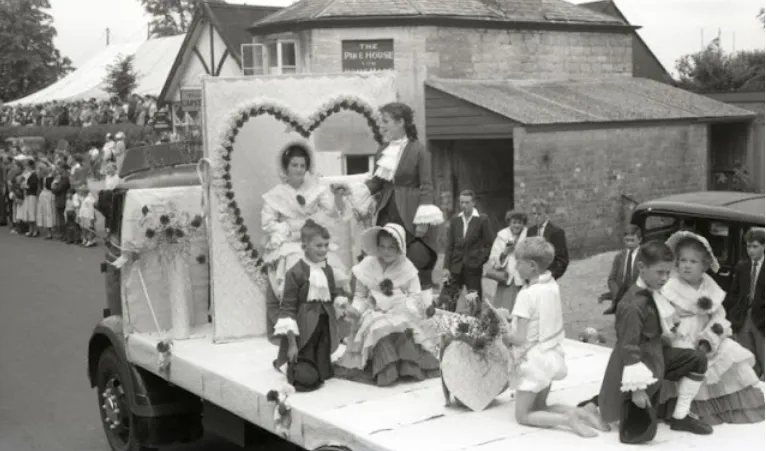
(152, 61)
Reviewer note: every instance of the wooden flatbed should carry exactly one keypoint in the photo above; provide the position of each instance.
(406, 417)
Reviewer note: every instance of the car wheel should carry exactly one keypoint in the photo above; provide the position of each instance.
(114, 403)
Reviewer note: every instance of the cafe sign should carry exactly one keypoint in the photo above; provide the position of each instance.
(368, 55)
(191, 99)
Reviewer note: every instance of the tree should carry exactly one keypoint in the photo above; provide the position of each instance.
(169, 17)
(29, 61)
(762, 17)
(714, 70)
(121, 77)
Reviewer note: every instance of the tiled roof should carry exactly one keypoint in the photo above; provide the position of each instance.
(616, 99)
(535, 11)
(232, 22)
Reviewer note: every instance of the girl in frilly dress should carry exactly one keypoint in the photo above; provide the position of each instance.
(387, 310)
(692, 301)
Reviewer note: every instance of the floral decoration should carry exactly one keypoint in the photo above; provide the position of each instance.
(229, 213)
(387, 287)
(164, 348)
(591, 335)
(705, 303)
(282, 410)
(301, 200)
(717, 329)
(168, 231)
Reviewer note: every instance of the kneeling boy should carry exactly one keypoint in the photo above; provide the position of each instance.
(641, 359)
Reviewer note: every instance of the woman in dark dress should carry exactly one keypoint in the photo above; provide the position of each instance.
(404, 183)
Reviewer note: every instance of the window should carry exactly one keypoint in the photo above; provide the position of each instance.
(359, 164)
(719, 240)
(253, 59)
(656, 222)
(280, 57)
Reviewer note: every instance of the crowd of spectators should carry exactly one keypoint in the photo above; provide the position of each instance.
(81, 113)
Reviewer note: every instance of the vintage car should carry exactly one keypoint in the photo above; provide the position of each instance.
(722, 217)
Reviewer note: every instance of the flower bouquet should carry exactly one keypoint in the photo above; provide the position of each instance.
(171, 236)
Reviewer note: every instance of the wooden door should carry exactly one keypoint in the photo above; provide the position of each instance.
(486, 168)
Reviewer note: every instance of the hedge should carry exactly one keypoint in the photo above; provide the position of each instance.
(81, 138)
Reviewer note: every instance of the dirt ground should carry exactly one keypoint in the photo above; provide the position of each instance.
(580, 287)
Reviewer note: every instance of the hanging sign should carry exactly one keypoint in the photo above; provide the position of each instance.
(368, 55)
(162, 121)
(191, 99)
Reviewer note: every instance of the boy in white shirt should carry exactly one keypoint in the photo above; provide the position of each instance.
(536, 341)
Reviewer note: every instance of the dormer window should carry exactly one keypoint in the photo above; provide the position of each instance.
(270, 58)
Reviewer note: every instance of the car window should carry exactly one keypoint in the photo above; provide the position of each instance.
(720, 241)
(659, 222)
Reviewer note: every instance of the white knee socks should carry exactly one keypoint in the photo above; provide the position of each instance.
(687, 390)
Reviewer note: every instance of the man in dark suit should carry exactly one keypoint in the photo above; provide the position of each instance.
(744, 301)
(469, 240)
(539, 212)
(624, 272)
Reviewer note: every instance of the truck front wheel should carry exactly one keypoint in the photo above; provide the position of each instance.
(114, 403)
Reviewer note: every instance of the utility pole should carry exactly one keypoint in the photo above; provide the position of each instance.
(107, 36)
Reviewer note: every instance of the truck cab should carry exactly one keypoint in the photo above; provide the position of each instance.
(139, 410)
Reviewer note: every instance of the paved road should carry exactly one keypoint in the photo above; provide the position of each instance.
(51, 296)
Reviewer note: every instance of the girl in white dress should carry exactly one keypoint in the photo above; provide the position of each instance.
(729, 392)
(87, 215)
(386, 339)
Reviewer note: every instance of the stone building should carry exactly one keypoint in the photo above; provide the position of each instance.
(645, 62)
(518, 99)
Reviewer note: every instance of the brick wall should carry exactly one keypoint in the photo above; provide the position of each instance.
(584, 173)
(422, 52)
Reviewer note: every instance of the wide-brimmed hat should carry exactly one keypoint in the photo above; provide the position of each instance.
(370, 238)
(676, 238)
(304, 375)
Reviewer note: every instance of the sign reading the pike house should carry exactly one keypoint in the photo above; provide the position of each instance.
(368, 55)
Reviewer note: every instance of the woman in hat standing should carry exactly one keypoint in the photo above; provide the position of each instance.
(404, 181)
(385, 341)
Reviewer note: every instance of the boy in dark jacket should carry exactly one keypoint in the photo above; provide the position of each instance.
(744, 301)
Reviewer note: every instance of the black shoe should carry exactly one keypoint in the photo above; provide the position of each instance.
(610, 311)
(691, 424)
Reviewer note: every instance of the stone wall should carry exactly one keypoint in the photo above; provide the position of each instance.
(422, 52)
(585, 173)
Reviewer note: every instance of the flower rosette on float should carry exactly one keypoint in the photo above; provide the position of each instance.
(229, 213)
(474, 362)
(169, 236)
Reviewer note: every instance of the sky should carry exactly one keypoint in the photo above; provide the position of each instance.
(671, 28)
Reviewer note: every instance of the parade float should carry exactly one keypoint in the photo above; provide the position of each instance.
(183, 347)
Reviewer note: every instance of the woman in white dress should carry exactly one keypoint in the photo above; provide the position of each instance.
(286, 207)
(28, 210)
(504, 262)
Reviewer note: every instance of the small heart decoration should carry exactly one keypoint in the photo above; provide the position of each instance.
(475, 379)
(230, 214)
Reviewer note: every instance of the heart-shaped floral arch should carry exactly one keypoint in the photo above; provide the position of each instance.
(229, 212)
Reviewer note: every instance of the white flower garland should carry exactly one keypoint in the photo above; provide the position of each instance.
(228, 212)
